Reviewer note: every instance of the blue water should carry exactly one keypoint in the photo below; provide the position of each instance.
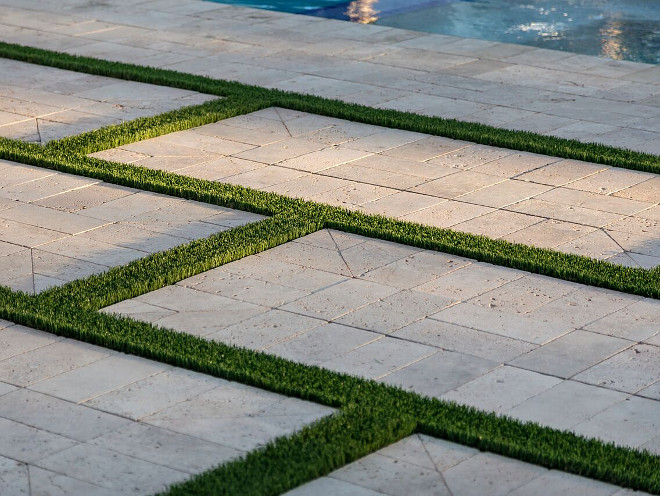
(617, 29)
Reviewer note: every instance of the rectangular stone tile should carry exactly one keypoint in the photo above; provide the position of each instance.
(26, 235)
(385, 475)
(594, 201)
(353, 195)
(373, 254)
(566, 404)
(152, 394)
(264, 177)
(549, 233)
(394, 312)
(426, 148)
(439, 373)
(92, 251)
(505, 193)
(323, 343)
(502, 389)
(642, 243)
(80, 199)
(323, 159)
(453, 337)
(630, 371)
(386, 179)
(497, 475)
(636, 322)
(562, 172)
(281, 150)
(310, 256)
(515, 164)
(384, 139)
(497, 224)
(63, 268)
(610, 181)
(119, 471)
(97, 378)
(337, 300)
(48, 361)
(379, 358)
(57, 416)
(555, 483)
(646, 191)
(399, 165)
(460, 183)
(447, 214)
(230, 132)
(566, 213)
(469, 281)
(632, 423)
(400, 204)
(471, 156)
(134, 238)
(596, 244)
(48, 218)
(415, 269)
(568, 355)
(44, 187)
(266, 330)
(167, 448)
(127, 206)
(17, 340)
(27, 444)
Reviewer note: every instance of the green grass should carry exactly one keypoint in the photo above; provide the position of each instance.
(371, 415)
(478, 133)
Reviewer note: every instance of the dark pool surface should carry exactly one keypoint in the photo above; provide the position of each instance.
(618, 29)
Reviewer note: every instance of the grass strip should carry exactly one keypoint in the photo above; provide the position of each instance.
(478, 133)
(383, 413)
(569, 267)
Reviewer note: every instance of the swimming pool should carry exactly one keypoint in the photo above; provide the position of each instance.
(617, 29)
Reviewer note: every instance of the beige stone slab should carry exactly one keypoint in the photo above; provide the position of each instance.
(636, 322)
(84, 198)
(170, 164)
(265, 177)
(611, 181)
(570, 354)
(464, 340)
(471, 156)
(399, 165)
(566, 404)
(426, 148)
(13, 173)
(458, 184)
(27, 235)
(323, 159)
(566, 213)
(401, 204)
(562, 172)
(45, 187)
(218, 169)
(48, 218)
(597, 244)
(505, 193)
(595, 201)
(353, 195)
(502, 389)
(277, 152)
(549, 233)
(646, 191)
(234, 133)
(498, 223)
(448, 214)
(92, 251)
(515, 164)
(386, 179)
(642, 243)
(385, 139)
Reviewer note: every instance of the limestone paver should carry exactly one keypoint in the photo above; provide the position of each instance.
(34, 108)
(445, 326)
(80, 419)
(57, 227)
(512, 86)
(522, 197)
(429, 466)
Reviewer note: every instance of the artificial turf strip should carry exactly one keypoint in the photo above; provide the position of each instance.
(478, 133)
(565, 266)
(384, 413)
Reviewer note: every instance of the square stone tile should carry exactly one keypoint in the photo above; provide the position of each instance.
(502, 389)
(568, 355)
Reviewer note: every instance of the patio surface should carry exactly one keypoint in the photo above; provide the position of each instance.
(530, 347)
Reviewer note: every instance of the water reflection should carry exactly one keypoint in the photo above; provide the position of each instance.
(362, 11)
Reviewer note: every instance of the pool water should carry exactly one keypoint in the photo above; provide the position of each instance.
(617, 29)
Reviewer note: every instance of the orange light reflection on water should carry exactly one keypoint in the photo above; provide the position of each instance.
(363, 11)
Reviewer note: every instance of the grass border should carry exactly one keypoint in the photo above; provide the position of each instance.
(451, 128)
(372, 414)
